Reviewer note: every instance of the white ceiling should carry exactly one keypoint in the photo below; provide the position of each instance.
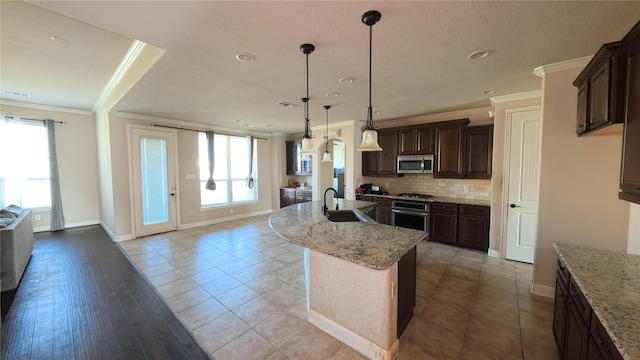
(420, 49)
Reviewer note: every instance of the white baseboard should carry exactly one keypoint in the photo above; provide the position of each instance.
(224, 219)
(67, 225)
(357, 342)
(494, 253)
(543, 290)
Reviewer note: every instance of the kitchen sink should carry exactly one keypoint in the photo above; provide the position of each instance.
(342, 216)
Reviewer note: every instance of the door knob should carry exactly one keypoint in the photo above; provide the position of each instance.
(514, 205)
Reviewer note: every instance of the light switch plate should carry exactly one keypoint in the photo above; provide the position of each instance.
(190, 176)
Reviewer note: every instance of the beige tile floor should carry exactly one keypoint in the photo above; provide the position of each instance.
(239, 289)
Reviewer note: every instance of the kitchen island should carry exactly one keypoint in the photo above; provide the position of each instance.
(355, 273)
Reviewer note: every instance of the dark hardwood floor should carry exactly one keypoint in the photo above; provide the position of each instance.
(80, 298)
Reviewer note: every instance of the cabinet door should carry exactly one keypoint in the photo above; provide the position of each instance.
(478, 149)
(406, 289)
(290, 147)
(370, 160)
(449, 142)
(295, 164)
(560, 313)
(583, 108)
(388, 140)
(473, 227)
(630, 175)
(594, 353)
(599, 97)
(444, 223)
(424, 140)
(407, 142)
(577, 340)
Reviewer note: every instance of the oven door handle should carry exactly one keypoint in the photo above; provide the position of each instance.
(408, 212)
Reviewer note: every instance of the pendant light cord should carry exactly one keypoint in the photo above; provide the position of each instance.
(326, 149)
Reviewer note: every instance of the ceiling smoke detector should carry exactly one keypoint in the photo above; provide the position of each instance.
(245, 58)
(286, 104)
(479, 54)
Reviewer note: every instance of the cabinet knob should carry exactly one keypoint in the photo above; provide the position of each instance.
(600, 341)
(638, 187)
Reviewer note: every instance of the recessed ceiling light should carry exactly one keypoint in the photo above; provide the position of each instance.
(286, 104)
(14, 93)
(333, 94)
(487, 92)
(59, 39)
(347, 80)
(245, 58)
(479, 54)
(377, 112)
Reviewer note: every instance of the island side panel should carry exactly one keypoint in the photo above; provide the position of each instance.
(346, 299)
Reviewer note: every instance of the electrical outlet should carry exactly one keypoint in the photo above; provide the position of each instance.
(231, 211)
(394, 289)
(466, 188)
(190, 176)
(38, 217)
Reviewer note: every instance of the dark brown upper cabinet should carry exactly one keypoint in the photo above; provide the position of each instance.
(630, 174)
(416, 141)
(449, 138)
(296, 165)
(382, 163)
(601, 88)
(478, 151)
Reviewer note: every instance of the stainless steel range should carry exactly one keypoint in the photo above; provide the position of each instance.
(411, 211)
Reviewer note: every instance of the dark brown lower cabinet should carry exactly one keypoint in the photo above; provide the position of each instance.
(444, 223)
(578, 332)
(406, 289)
(383, 211)
(577, 337)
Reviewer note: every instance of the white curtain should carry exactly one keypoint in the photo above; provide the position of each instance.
(211, 185)
(250, 179)
(57, 215)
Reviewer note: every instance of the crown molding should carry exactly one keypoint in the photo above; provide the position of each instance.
(44, 107)
(517, 96)
(579, 63)
(188, 124)
(129, 58)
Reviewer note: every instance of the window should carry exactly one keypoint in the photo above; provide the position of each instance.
(24, 168)
(230, 172)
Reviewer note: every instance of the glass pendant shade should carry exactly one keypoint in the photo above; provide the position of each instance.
(370, 141)
(327, 157)
(307, 146)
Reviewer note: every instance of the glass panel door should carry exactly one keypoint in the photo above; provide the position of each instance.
(154, 190)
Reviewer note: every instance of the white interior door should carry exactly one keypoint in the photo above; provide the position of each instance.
(154, 181)
(524, 160)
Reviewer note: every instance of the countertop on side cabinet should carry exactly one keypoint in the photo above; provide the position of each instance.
(367, 243)
(611, 283)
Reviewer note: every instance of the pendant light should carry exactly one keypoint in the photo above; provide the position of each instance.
(370, 135)
(327, 154)
(307, 141)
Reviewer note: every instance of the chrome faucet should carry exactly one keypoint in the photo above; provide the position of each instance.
(324, 207)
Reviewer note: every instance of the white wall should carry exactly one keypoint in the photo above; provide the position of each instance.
(579, 180)
(77, 162)
(633, 241)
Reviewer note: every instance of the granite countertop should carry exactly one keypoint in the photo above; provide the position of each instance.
(367, 243)
(611, 283)
(438, 199)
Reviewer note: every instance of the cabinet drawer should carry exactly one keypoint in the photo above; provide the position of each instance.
(474, 209)
(580, 301)
(602, 340)
(383, 202)
(444, 207)
(563, 273)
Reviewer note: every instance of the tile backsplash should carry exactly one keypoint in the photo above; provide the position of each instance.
(426, 184)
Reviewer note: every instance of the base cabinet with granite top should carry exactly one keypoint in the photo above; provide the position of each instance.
(290, 196)
(460, 225)
(578, 332)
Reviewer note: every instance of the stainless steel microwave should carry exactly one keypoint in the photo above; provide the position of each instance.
(415, 164)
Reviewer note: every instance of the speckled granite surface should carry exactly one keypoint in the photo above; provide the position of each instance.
(439, 199)
(369, 244)
(611, 283)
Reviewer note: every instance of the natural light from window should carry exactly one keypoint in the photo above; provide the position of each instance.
(24, 168)
(230, 172)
